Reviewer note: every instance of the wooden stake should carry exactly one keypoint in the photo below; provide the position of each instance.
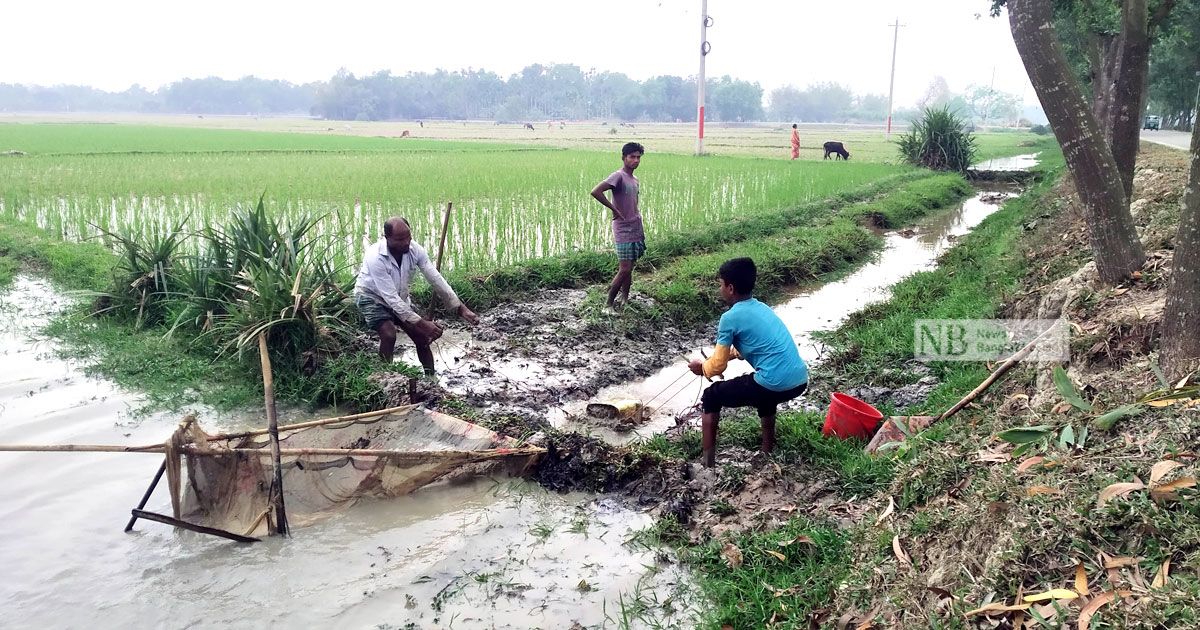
(146, 497)
(175, 522)
(445, 230)
(281, 525)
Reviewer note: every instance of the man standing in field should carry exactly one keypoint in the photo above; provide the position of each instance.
(381, 292)
(795, 141)
(628, 235)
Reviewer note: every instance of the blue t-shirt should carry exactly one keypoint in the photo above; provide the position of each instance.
(765, 343)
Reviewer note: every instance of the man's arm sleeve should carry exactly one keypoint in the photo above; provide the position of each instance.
(442, 288)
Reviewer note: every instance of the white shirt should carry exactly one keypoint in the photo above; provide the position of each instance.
(387, 282)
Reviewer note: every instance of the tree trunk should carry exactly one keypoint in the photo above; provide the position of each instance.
(1181, 318)
(1114, 242)
(1131, 69)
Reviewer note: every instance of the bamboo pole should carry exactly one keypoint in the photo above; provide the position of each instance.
(146, 497)
(177, 522)
(314, 423)
(158, 449)
(445, 230)
(281, 525)
(1000, 371)
(192, 449)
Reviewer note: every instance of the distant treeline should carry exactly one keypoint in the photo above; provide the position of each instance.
(538, 92)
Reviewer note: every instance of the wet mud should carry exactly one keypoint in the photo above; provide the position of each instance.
(540, 362)
(484, 553)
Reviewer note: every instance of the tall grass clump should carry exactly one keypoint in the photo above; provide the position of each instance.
(939, 140)
(253, 274)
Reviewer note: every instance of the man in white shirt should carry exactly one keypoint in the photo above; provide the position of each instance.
(382, 292)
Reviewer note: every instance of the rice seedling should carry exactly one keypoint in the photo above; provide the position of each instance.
(509, 206)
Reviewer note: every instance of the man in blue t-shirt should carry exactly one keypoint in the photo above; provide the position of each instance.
(749, 330)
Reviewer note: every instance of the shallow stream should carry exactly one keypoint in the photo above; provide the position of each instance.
(490, 553)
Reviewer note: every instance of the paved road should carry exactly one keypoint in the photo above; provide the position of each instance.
(1176, 139)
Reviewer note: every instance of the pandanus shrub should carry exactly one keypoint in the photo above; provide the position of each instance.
(939, 140)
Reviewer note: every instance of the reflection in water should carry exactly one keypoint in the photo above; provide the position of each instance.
(1014, 163)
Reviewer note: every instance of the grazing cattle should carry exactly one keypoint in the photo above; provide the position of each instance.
(529, 126)
(404, 134)
(837, 148)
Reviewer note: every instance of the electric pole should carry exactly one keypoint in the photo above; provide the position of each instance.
(892, 84)
(705, 22)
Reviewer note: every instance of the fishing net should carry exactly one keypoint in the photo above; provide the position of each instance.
(228, 478)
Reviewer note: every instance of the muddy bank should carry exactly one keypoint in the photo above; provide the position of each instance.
(538, 362)
(486, 553)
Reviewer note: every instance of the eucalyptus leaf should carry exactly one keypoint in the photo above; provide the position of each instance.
(1107, 420)
(1026, 435)
(1067, 389)
(1158, 373)
(1066, 439)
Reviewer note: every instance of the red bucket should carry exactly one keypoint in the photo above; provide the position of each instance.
(850, 417)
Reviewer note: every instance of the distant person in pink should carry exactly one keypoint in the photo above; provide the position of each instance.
(795, 141)
(628, 235)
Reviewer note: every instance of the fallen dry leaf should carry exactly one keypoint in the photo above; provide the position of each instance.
(1061, 407)
(1118, 490)
(891, 507)
(900, 555)
(777, 555)
(1117, 563)
(1166, 491)
(1034, 491)
(1081, 581)
(1183, 382)
(1097, 602)
(1030, 463)
(1167, 402)
(1121, 291)
(994, 457)
(1160, 470)
(1056, 593)
(1048, 611)
(940, 592)
(733, 555)
(996, 607)
(797, 540)
(1162, 578)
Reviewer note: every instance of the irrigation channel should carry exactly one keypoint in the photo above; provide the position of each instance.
(488, 553)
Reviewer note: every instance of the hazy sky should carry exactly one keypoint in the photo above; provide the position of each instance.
(776, 42)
